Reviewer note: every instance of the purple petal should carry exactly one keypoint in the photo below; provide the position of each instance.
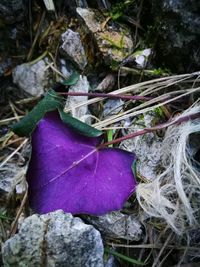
(68, 172)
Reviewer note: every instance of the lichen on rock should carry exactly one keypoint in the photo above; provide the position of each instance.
(54, 239)
(113, 41)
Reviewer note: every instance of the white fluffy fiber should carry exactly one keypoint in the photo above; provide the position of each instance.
(175, 193)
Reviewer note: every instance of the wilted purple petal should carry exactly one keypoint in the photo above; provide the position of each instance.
(67, 172)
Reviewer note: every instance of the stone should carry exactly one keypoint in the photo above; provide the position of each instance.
(107, 84)
(117, 225)
(176, 26)
(32, 78)
(91, 18)
(113, 42)
(81, 86)
(147, 147)
(65, 69)
(113, 107)
(141, 57)
(73, 49)
(111, 262)
(11, 176)
(54, 239)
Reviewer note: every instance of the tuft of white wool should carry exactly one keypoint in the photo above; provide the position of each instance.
(170, 196)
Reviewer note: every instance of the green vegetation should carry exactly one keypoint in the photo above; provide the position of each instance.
(124, 258)
(118, 9)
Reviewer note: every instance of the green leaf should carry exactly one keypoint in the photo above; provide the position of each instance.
(133, 167)
(116, 15)
(78, 125)
(123, 257)
(72, 80)
(51, 102)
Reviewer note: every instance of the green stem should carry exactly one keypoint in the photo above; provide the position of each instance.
(123, 257)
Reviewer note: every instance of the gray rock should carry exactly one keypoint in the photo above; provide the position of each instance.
(113, 42)
(10, 176)
(117, 225)
(113, 107)
(65, 69)
(111, 262)
(81, 86)
(176, 25)
(33, 79)
(73, 48)
(54, 239)
(107, 84)
(147, 148)
(91, 19)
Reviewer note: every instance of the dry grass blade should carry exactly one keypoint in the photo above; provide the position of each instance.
(5, 121)
(49, 5)
(156, 261)
(51, 65)
(145, 89)
(174, 194)
(141, 109)
(153, 246)
(13, 153)
(36, 36)
(14, 224)
(139, 87)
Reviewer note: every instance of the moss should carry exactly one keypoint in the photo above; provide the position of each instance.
(159, 112)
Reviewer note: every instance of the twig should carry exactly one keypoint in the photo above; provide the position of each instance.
(50, 65)
(164, 81)
(38, 58)
(12, 142)
(144, 71)
(14, 225)
(104, 95)
(156, 261)
(141, 109)
(151, 129)
(10, 119)
(27, 100)
(13, 153)
(36, 36)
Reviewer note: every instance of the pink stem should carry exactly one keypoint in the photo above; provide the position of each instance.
(126, 97)
(147, 130)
